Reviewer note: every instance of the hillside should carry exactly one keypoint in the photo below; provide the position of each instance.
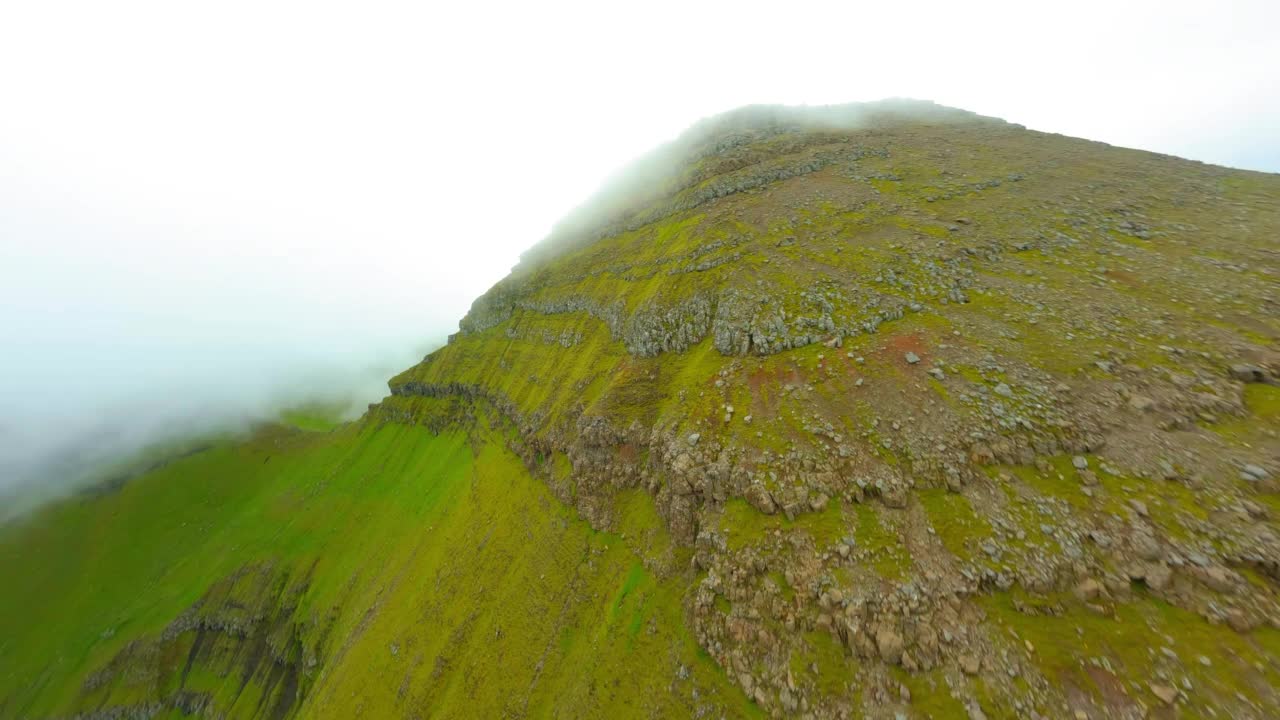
(866, 411)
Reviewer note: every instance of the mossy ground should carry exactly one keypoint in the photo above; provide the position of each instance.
(1138, 643)
(743, 525)
(444, 582)
(431, 575)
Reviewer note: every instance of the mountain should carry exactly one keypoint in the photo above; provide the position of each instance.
(884, 410)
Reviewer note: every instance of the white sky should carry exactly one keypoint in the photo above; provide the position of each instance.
(201, 203)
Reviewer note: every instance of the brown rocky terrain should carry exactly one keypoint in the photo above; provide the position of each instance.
(872, 411)
(909, 382)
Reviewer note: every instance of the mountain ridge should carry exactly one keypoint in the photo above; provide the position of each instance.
(864, 411)
(674, 167)
(1041, 389)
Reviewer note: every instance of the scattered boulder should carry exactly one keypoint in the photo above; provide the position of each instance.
(760, 498)
(1158, 575)
(889, 644)
(1089, 590)
(1166, 694)
(1248, 373)
(1253, 472)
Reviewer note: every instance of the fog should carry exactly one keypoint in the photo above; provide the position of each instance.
(212, 211)
(640, 192)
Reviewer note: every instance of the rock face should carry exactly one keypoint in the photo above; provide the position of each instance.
(887, 378)
(248, 624)
(869, 411)
(815, 278)
(862, 411)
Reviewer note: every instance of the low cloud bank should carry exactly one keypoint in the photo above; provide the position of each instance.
(127, 327)
(60, 435)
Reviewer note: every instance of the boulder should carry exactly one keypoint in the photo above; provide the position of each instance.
(889, 644)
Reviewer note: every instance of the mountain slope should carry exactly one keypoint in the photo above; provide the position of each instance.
(378, 570)
(838, 412)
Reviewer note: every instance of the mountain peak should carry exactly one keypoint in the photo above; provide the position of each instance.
(669, 175)
(859, 411)
(882, 366)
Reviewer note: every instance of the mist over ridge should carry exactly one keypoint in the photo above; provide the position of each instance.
(145, 376)
(185, 230)
(217, 344)
(609, 361)
(673, 166)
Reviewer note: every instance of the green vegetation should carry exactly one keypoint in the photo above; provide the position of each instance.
(888, 557)
(823, 662)
(1079, 648)
(743, 525)
(426, 575)
(316, 417)
(954, 521)
(935, 699)
(976, 369)
(1263, 401)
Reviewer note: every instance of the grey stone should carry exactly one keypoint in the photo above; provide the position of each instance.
(1166, 694)
(889, 643)
(1254, 472)
(1248, 373)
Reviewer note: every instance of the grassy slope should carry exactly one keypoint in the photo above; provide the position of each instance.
(443, 581)
(844, 245)
(1196, 285)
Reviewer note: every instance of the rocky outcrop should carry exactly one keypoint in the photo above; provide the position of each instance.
(1033, 393)
(245, 625)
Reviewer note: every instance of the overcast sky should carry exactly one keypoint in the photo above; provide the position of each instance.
(207, 209)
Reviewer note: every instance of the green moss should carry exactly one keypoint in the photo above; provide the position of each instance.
(953, 519)
(1263, 401)
(481, 578)
(637, 521)
(784, 588)
(743, 525)
(889, 558)
(931, 695)
(1069, 637)
(628, 607)
(1262, 405)
(823, 662)
(723, 605)
(317, 417)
